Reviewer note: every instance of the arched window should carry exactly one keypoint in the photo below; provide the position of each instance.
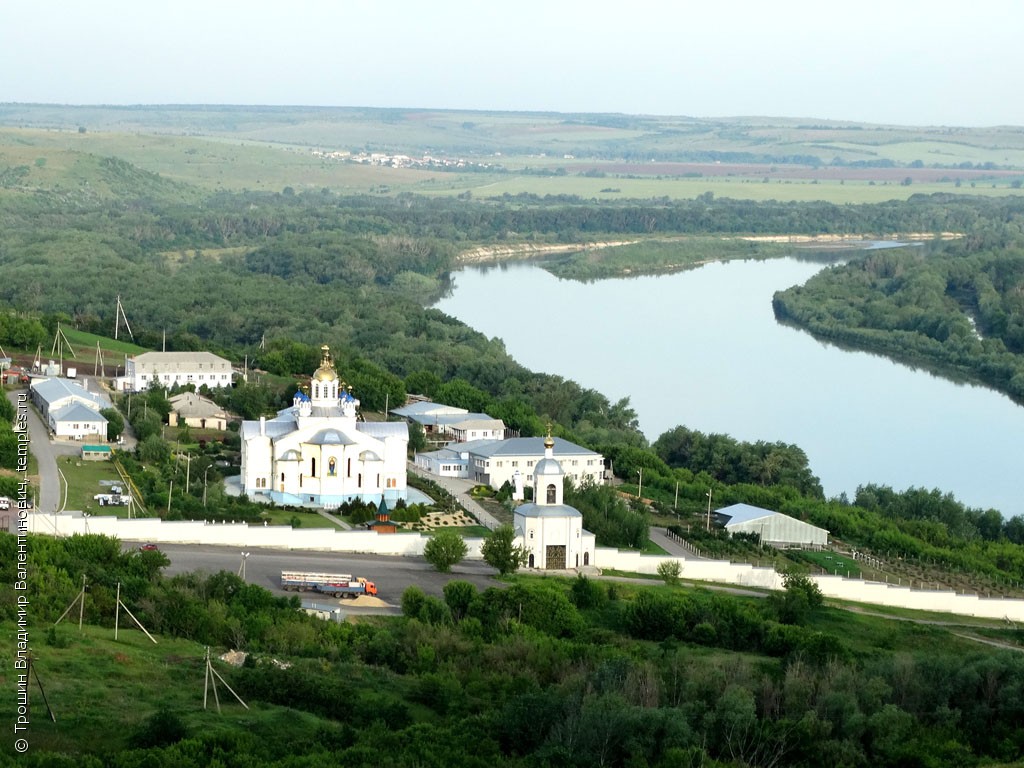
(359, 482)
(282, 477)
(312, 470)
(586, 558)
(331, 467)
(551, 493)
(348, 468)
(530, 564)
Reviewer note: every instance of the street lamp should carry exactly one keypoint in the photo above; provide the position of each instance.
(708, 494)
(204, 484)
(640, 487)
(241, 568)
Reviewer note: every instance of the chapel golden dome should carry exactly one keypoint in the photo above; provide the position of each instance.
(326, 370)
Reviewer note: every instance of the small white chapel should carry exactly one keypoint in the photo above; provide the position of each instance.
(550, 531)
(318, 453)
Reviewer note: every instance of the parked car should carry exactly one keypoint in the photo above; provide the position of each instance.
(149, 548)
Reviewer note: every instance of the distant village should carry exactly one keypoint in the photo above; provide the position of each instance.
(382, 159)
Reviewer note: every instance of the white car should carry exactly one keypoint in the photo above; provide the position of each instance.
(5, 503)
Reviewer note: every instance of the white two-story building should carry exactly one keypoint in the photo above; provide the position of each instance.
(168, 369)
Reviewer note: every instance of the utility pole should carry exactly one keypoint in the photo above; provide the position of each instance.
(640, 487)
(708, 527)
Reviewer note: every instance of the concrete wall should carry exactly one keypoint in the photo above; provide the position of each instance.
(411, 544)
(840, 587)
(238, 534)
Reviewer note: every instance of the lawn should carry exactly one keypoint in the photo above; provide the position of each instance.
(833, 562)
(85, 345)
(306, 519)
(82, 482)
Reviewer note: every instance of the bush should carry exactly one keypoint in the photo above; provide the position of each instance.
(586, 593)
(444, 549)
(669, 571)
(412, 602)
(160, 729)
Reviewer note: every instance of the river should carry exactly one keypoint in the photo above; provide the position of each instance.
(702, 348)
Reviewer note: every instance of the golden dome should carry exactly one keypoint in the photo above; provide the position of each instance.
(549, 442)
(326, 370)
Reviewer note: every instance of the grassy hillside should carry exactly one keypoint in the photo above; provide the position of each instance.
(596, 651)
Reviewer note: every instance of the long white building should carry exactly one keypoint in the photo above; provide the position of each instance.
(317, 453)
(170, 368)
(69, 410)
(495, 462)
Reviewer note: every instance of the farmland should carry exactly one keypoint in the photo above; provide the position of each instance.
(495, 154)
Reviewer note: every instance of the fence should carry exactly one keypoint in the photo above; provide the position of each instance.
(411, 544)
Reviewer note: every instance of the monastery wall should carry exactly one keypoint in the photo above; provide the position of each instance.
(740, 575)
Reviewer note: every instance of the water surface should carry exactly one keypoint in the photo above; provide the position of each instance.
(702, 348)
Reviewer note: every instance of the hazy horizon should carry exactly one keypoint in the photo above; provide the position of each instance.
(910, 63)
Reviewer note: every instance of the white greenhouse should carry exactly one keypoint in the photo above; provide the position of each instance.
(774, 528)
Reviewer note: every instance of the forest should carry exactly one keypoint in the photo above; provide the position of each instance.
(955, 308)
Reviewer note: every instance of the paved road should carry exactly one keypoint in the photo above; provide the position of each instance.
(660, 537)
(263, 567)
(46, 452)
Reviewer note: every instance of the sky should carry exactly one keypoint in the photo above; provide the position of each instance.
(903, 62)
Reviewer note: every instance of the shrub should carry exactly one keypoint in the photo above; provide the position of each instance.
(669, 571)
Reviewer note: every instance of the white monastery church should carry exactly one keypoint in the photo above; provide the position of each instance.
(549, 530)
(316, 452)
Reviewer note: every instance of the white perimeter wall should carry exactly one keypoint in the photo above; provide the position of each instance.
(411, 544)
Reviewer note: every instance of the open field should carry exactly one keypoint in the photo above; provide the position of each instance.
(594, 156)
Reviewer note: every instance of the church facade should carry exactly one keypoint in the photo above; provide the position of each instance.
(550, 531)
(318, 453)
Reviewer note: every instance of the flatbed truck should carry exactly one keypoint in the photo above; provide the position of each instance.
(340, 585)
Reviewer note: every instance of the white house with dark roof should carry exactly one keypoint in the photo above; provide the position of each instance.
(451, 423)
(168, 369)
(550, 531)
(68, 409)
(316, 452)
(495, 462)
(774, 528)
